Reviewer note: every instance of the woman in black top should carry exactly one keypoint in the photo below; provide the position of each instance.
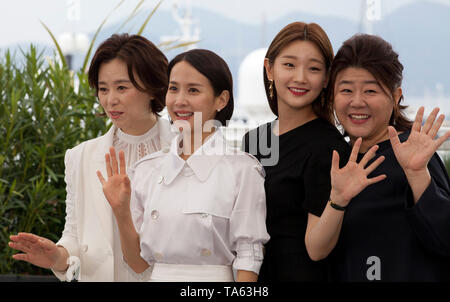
(397, 223)
(295, 149)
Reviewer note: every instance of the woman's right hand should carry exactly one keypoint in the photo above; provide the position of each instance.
(117, 188)
(349, 181)
(39, 251)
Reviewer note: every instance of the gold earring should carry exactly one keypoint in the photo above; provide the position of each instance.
(271, 89)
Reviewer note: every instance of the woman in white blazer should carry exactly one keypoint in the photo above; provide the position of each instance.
(129, 74)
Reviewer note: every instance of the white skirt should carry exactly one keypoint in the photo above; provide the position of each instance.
(163, 272)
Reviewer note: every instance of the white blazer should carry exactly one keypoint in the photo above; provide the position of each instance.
(88, 231)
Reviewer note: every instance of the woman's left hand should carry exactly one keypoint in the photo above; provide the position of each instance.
(414, 154)
(117, 188)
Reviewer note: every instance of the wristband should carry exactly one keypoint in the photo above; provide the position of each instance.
(337, 207)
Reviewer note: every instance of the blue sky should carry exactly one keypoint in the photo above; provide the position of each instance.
(20, 18)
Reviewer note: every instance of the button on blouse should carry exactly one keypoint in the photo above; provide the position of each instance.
(207, 210)
(135, 148)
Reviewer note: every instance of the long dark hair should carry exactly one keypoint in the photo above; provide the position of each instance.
(378, 57)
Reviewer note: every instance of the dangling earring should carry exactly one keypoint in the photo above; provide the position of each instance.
(271, 89)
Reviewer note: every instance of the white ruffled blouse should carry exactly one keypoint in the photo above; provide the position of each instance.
(135, 148)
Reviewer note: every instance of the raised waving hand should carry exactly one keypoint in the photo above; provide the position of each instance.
(117, 191)
(414, 154)
(349, 181)
(117, 187)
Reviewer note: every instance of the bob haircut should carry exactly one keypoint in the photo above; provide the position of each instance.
(377, 57)
(216, 70)
(304, 32)
(142, 58)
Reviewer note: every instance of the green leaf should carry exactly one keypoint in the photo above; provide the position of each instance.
(132, 15)
(88, 54)
(61, 55)
(167, 43)
(51, 173)
(179, 45)
(141, 30)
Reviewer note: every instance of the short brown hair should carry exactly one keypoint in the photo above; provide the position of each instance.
(305, 32)
(378, 57)
(141, 57)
